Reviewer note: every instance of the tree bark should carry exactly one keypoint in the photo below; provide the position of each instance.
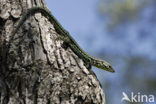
(36, 69)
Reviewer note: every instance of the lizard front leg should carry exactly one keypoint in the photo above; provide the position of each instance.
(88, 65)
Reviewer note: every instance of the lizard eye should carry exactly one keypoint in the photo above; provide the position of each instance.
(107, 66)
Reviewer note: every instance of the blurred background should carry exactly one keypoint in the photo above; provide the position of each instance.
(122, 32)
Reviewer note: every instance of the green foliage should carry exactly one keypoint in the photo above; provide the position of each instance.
(131, 25)
(122, 11)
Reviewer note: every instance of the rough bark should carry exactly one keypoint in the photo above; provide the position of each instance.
(36, 69)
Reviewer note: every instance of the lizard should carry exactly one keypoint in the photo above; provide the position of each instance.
(65, 36)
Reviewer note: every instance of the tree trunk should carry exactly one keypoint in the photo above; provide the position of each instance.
(36, 69)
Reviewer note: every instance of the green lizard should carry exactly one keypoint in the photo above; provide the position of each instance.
(66, 37)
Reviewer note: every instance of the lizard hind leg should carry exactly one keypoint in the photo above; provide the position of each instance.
(65, 45)
(65, 40)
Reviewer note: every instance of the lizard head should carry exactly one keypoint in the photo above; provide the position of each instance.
(103, 65)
